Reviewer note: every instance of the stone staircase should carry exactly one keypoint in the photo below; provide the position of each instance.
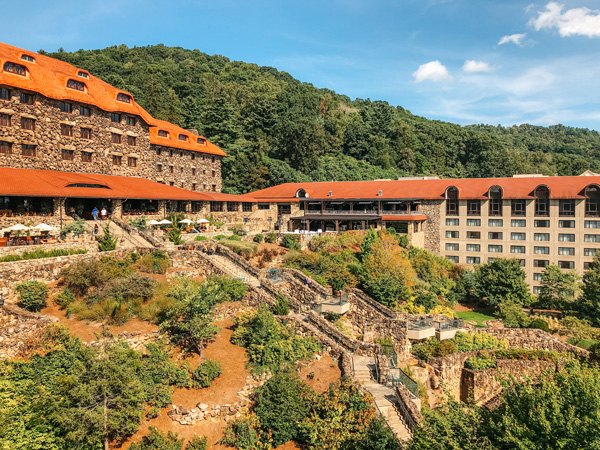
(384, 396)
(126, 239)
(233, 270)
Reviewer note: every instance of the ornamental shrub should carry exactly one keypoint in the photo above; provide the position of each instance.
(282, 307)
(157, 440)
(468, 342)
(205, 373)
(154, 262)
(64, 298)
(290, 241)
(271, 237)
(82, 275)
(480, 362)
(258, 238)
(32, 295)
(242, 248)
(540, 324)
(200, 238)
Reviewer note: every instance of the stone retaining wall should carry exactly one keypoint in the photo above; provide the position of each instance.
(17, 326)
(533, 339)
(449, 370)
(88, 244)
(408, 409)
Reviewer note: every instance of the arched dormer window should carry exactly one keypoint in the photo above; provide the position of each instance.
(17, 69)
(495, 201)
(452, 201)
(301, 193)
(77, 85)
(121, 97)
(592, 201)
(88, 185)
(542, 201)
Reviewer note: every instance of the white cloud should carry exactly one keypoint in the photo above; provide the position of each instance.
(434, 71)
(577, 21)
(476, 66)
(512, 39)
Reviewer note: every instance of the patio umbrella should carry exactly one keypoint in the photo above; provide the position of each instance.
(164, 222)
(186, 221)
(154, 222)
(17, 227)
(42, 227)
(203, 221)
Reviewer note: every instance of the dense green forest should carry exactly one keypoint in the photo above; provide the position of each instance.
(276, 129)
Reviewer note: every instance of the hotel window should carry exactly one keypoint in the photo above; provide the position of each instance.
(85, 111)
(201, 141)
(522, 262)
(473, 260)
(163, 133)
(115, 117)
(77, 85)
(4, 120)
(491, 259)
(117, 160)
(591, 238)
(263, 206)
(452, 222)
(566, 224)
(569, 251)
(182, 137)
(518, 223)
(170, 169)
(86, 133)
(181, 154)
(452, 247)
(5, 94)
(517, 249)
(495, 248)
(566, 208)
(452, 201)
(517, 236)
(86, 156)
(592, 201)
(591, 224)
(517, 207)
(473, 247)
(495, 201)
(235, 206)
(170, 152)
(214, 188)
(453, 259)
(159, 168)
(537, 290)
(132, 161)
(5, 148)
(542, 201)
(27, 123)
(17, 69)
(67, 155)
(541, 250)
(495, 235)
(193, 186)
(452, 234)
(537, 277)
(216, 206)
(541, 223)
(214, 174)
(193, 171)
(541, 236)
(66, 130)
(123, 98)
(566, 264)
(27, 58)
(131, 140)
(65, 107)
(495, 222)
(27, 150)
(82, 74)
(473, 207)
(566, 237)
(246, 207)
(540, 263)
(473, 234)
(115, 138)
(473, 222)
(590, 251)
(586, 265)
(131, 120)
(181, 169)
(26, 99)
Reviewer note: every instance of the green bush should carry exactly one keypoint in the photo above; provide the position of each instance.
(157, 440)
(242, 248)
(246, 434)
(205, 373)
(39, 254)
(77, 227)
(174, 235)
(116, 268)
(107, 242)
(82, 275)
(32, 295)
(64, 298)
(461, 343)
(282, 307)
(197, 443)
(228, 289)
(258, 238)
(154, 262)
(540, 324)
(130, 287)
(512, 315)
(290, 241)
(218, 237)
(200, 238)
(330, 316)
(235, 237)
(480, 362)
(271, 237)
(139, 223)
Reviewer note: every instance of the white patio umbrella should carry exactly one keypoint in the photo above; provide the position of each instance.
(17, 227)
(203, 221)
(154, 222)
(186, 221)
(42, 227)
(164, 222)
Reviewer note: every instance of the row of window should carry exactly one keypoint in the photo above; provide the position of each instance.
(181, 137)
(159, 169)
(522, 223)
(537, 250)
(540, 263)
(193, 155)
(517, 236)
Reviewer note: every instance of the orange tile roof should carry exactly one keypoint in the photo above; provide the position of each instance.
(49, 76)
(404, 217)
(50, 183)
(468, 188)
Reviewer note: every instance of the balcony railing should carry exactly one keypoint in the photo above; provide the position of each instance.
(450, 324)
(420, 324)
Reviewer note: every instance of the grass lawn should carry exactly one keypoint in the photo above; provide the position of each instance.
(474, 316)
(586, 343)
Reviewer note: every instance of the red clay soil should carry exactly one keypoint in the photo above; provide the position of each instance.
(326, 372)
(222, 391)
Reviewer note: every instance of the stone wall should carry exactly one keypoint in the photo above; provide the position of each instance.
(449, 370)
(533, 339)
(407, 407)
(86, 243)
(17, 326)
(431, 227)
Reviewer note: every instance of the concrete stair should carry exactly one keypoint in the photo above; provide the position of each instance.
(233, 270)
(127, 240)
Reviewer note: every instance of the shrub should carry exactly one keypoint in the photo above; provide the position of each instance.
(174, 235)
(157, 440)
(107, 242)
(64, 298)
(154, 262)
(39, 254)
(197, 443)
(77, 227)
(130, 287)
(331, 316)
(244, 249)
(540, 324)
(467, 342)
(205, 373)
(82, 275)
(512, 315)
(480, 362)
(246, 434)
(271, 237)
(115, 268)
(258, 238)
(290, 241)
(387, 345)
(282, 307)
(200, 238)
(32, 295)
(228, 289)
(139, 223)
(218, 237)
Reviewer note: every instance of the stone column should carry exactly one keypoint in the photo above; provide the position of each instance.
(162, 208)
(117, 207)
(188, 206)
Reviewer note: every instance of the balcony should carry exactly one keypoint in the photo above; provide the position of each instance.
(420, 329)
(337, 304)
(448, 328)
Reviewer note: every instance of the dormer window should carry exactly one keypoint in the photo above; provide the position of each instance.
(27, 58)
(123, 98)
(163, 133)
(82, 74)
(17, 69)
(77, 85)
(183, 137)
(201, 141)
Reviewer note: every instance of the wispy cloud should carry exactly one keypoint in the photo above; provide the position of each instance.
(512, 39)
(472, 66)
(434, 71)
(572, 22)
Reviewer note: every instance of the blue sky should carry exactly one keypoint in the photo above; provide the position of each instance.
(498, 62)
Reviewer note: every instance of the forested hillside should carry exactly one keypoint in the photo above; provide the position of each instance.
(276, 129)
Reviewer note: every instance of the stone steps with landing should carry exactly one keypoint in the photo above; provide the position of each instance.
(128, 240)
(233, 270)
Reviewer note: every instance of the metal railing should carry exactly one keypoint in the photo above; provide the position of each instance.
(420, 324)
(397, 376)
(334, 299)
(274, 276)
(449, 324)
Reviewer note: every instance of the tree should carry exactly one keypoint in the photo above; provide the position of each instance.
(512, 315)
(107, 242)
(502, 280)
(557, 289)
(588, 303)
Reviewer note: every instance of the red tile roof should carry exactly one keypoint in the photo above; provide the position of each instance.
(468, 188)
(404, 217)
(49, 77)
